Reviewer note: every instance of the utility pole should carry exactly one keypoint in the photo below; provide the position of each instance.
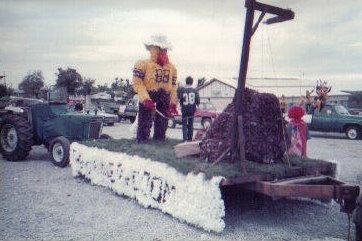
(238, 140)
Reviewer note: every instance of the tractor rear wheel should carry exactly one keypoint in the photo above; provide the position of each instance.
(59, 150)
(16, 137)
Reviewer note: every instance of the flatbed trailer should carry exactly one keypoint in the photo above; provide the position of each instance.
(301, 178)
(316, 182)
(312, 186)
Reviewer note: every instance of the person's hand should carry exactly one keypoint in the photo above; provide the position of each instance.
(149, 104)
(172, 110)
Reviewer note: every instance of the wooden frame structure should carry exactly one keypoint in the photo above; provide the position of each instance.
(317, 185)
(238, 142)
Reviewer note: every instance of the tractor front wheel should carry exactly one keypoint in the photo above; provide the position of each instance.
(16, 138)
(59, 150)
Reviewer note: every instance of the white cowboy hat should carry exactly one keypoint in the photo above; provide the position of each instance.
(158, 40)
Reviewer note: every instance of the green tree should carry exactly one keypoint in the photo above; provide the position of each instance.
(70, 79)
(102, 88)
(10, 91)
(201, 82)
(116, 84)
(3, 91)
(128, 88)
(32, 83)
(87, 86)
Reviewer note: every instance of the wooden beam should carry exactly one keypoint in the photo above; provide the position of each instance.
(242, 145)
(240, 91)
(244, 179)
(221, 157)
(261, 16)
(187, 149)
(287, 14)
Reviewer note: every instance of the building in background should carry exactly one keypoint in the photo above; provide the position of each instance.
(221, 92)
(217, 92)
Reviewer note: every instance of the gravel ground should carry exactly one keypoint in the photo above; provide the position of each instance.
(39, 201)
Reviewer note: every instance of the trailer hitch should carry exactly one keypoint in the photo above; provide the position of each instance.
(346, 196)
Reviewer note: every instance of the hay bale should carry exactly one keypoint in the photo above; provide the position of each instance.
(263, 130)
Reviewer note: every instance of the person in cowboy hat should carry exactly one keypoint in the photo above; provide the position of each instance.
(154, 80)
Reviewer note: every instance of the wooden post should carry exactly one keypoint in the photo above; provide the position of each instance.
(242, 146)
(239, 144)
(238, 140)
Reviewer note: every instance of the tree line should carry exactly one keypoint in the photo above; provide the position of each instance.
(33, 84)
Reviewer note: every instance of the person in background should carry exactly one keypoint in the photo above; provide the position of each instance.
(283, 104)
(189, 99)
(301, 101)
(308, 101)
(78, 106)
(297, 131)
(322, 90)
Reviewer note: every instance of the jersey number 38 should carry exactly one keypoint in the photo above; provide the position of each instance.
(188, 98)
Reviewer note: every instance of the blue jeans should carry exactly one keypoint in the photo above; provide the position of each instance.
(187, 126)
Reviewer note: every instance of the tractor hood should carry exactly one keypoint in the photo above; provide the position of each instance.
(53, 120)
(61, 109)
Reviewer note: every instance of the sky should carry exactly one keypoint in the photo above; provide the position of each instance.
(102, 40)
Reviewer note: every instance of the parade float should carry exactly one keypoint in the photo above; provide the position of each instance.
(245, 146)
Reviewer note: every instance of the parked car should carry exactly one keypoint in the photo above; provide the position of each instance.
(335, 118)
(108, 119)
(205, 113)
(19, 101)
(130, 110)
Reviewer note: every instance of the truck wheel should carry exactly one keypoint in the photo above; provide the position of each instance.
(16, 138)
(59, 150)
(132, 119)
(206, 123)
(171, 123)
(353, 132)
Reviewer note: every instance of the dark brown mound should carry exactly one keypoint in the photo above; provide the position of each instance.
(263, 130)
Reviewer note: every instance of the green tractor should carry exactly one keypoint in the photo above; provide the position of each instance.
(48, 123)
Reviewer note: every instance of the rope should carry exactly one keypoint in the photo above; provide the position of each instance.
(170, 118)
(280, 109)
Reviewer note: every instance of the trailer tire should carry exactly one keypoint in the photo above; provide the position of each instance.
(59, 151)
(16, 137)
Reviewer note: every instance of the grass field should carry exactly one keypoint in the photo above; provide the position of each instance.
(163, 152)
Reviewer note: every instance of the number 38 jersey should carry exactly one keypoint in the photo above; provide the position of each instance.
(149, 76)
(189, 98)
